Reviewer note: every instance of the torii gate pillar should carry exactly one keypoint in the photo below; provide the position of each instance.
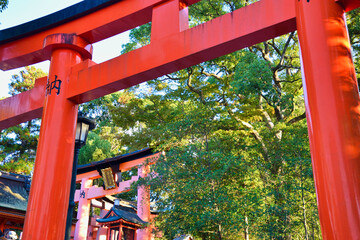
(48, 203)
(143, 204)
(81, 229)
(333, 115)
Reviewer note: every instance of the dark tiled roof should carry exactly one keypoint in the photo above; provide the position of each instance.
(54, 19)
(127, 205)
(108, 162)
(13, 192)
(121, 214)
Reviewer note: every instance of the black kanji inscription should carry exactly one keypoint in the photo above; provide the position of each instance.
(82, 194)
(56, 84)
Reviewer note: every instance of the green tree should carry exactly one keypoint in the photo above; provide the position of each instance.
(18, 144)
(353, 21)
(3, 5)
(95, 149)
(204, 184)
(106, 130)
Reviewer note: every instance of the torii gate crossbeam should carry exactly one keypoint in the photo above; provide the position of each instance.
(96, 80)
(331, 93)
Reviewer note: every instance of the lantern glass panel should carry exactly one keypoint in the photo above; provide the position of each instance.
(78, 131)
(84, 132)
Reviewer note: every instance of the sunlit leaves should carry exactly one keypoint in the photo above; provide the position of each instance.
(253, 77)
(96, 149)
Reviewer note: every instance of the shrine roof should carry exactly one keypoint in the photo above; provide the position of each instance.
(14, 192)
(108, 162)
(127, 205)
(116, 214)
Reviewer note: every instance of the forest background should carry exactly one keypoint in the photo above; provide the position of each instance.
(237, 162)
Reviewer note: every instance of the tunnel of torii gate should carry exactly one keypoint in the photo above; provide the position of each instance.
(65, 38)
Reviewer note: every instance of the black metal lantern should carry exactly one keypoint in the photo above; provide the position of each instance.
(83, 126)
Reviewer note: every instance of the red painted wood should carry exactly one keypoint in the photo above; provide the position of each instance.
(104, 23)
(253, 24)
(244, 27)
(333, 109)
(48, 200)
(24, 106)
(349, 5)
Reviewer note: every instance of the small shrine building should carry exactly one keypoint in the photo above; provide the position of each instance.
(14, 194)
(122, 222)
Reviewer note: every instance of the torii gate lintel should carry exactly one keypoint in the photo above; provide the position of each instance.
(189, 47)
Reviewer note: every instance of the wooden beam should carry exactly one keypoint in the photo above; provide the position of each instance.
(98, 192)
(246, 26)
(23, 106)
(94, 27)
(349, 5)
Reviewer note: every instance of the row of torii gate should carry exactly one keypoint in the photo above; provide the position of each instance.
(330, 86)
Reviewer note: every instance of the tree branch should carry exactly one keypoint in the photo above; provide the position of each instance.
(297, 119)
(209, 74)
(281, 62)
(255, 133)
(266, 116)
(192, 88)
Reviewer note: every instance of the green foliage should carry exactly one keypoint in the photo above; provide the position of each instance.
(353, 21)
(3, 5)
(139, 37)
(20, 166)
(25, 80)
(253, 78)
(204, 11)
(202, 179)
(98, 108)
(95, 149)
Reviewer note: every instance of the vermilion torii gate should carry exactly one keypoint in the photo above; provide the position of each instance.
(331, 91)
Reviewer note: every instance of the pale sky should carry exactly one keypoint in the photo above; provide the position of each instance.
(21, 11)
